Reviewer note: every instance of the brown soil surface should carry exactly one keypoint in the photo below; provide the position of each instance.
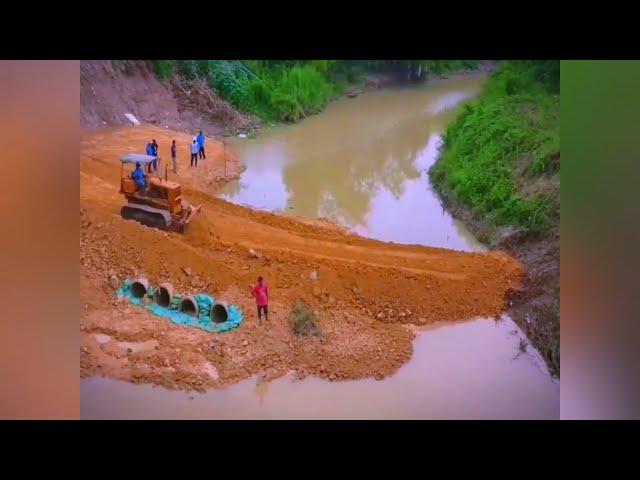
(366, 297)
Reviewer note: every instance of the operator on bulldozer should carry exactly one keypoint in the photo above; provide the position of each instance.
(139, 178)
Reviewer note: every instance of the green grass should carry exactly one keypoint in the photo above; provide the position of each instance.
(288, 90)
(440, 67)
(507, 138)
(162, 68)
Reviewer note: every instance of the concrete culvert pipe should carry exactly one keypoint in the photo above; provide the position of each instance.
(219, 312)
(189, 306)
(163, 295)
(139, 287)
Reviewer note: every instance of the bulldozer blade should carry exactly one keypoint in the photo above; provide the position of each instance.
(192, 212)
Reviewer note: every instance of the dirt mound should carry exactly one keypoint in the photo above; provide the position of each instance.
(364, 294)
(110, 89)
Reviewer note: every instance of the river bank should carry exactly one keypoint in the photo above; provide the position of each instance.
(111, 89)
(498, 172)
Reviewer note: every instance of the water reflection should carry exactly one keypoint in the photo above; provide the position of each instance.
(468, 370)
(363, 162)
(262, 184)
(449, 101)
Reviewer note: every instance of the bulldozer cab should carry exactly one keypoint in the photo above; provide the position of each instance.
(161, 193)
(127, 183)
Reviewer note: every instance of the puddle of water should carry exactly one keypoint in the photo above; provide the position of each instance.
(363, 162)
(469, 370)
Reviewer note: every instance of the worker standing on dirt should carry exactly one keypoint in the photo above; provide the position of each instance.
(201, 144)
(155, 154)
(149, 152)
(138, 177)
(173, 156)
(261, 293)
(195, 148)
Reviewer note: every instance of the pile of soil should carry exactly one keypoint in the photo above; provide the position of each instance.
(366, 295)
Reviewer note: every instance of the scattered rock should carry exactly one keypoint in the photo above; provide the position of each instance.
(381, 316)
(114, 282)
(245, 343)
(254, 254)
(187, 271)
(313, 275)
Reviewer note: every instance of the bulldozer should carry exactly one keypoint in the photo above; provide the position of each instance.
(160, 205)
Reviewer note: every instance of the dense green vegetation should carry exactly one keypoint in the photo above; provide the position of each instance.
(500, 150)
(288, 90)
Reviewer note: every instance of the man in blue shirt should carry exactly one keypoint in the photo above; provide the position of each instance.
(155, 154)
(150, 151)
(138, 176)
(201, 145)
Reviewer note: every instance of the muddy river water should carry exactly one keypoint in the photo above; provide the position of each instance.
(363, 162)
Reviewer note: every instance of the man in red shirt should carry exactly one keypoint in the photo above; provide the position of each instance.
(261, 294)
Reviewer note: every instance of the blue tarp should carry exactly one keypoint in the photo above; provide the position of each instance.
(202, 321)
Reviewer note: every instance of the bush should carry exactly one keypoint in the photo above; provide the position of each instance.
(515, 119)
(162, 68)
(303, 321)
(438, 67)
(188, 68)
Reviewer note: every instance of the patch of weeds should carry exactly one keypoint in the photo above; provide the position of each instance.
(304, 321)
(522, 348)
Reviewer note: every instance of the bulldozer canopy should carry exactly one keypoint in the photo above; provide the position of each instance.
(137, 158)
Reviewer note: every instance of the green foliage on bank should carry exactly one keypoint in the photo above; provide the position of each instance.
(162, 68)
(289, 90)
(504, 145)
